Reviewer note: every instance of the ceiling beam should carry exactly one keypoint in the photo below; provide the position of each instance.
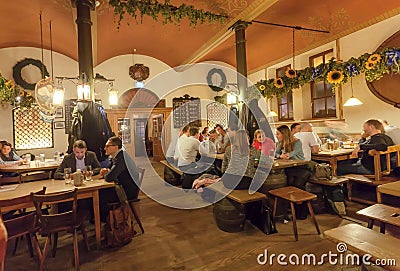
(248, 14)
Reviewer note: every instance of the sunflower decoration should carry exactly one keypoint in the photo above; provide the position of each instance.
(375, 58)
(278, 82)
(28, 94)
(369, 65)
(290, 73)
(261, 87)
(335, 77)
(21, 93)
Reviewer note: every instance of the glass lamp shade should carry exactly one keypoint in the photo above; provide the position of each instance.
(272, 114)
(113, 97)
(231, 99)
(352, 102)
(58, 96)
(84, 92)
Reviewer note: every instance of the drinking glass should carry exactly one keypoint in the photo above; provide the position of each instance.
(67, 175)
(88, 173)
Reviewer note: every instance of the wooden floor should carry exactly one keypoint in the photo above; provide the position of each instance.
(190, 240)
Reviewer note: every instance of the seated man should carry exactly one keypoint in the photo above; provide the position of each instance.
(122, 170)
(378, 141)
(308, 140)
(79, 158)
(8, 157)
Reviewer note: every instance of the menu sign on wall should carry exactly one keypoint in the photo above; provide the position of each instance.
(186, 110)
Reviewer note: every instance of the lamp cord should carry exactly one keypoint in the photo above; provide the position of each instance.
(351, 85)
(41, 42)
(293, 49)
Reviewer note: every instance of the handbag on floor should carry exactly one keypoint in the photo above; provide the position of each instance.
(119, 228)
(261, 217)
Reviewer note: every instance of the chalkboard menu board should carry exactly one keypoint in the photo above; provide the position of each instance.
(186, 110)
(69, 109)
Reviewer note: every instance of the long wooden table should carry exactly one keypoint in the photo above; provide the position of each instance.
(48, 165)
(392, 188)
(333, 157)
(87, 190)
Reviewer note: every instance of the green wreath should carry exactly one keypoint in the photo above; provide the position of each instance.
(223, 79)
(26, 62)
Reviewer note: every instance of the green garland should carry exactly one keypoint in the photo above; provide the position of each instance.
(374, 66)
(11, 94)
(169, 13)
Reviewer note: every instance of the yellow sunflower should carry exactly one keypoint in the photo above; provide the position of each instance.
(261, 87)
(375, 58)
(335, 77)
(9, 82)
(21, 93)
(28, 94)
(369, 65)
(278, 83)
(290, 73)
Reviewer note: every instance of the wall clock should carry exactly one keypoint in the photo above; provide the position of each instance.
(216, 79)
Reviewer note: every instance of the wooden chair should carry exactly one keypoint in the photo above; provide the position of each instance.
(69, 221)
(379, 173)
(22, 224)
(122, 197)
(3, 244)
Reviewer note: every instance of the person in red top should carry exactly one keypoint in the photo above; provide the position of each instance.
(264, 144)
(203, 134)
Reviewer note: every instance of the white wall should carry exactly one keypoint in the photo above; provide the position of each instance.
(353, 45)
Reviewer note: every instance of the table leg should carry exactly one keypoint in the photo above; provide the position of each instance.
(383, 226)
(370, 223)
(294, 220)
(96, 212)
(275, 204)
(333, 163)
(378, 196)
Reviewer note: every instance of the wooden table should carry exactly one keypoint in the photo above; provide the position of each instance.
(282, 163)
(48, 165)
(362, 240)
(383, 213)
(88, 190)
(333, 157)
(389, 189)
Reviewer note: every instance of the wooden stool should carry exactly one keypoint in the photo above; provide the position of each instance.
(298, 196)
(383, 213)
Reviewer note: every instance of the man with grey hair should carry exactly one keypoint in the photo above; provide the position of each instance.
(309, 142)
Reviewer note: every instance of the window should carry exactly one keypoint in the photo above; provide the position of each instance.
(285, 104)
(30, 130)
(323, 99)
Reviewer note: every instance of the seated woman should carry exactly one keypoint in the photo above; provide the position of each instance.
(264, 144)
(238, 164)
(9, 157)
(289, 147)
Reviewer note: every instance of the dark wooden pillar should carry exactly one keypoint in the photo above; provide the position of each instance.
(84, 25)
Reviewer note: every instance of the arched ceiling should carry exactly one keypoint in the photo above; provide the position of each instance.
(176, 45)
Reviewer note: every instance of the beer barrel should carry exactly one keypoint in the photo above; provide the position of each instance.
(318, 205)
(172, 177)
(229, 215)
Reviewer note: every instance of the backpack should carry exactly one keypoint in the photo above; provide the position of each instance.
(119, 228)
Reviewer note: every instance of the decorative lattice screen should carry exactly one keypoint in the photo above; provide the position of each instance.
(217, 113)
(30, 131)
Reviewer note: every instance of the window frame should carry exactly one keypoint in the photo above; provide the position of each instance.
(279, 72)
(326, 87)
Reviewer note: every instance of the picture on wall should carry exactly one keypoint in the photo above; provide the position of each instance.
(59, 113)
(59, 125)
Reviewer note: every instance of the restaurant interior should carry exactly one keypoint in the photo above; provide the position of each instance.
(331, 64)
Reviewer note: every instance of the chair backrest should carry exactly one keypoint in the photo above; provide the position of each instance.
(22, 223)
(3, 244)
(10, 180)
(391, 150)
(61, 220)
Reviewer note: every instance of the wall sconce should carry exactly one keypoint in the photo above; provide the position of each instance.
(112, 94)
(231, 99)
(58, 94)
(84, 90)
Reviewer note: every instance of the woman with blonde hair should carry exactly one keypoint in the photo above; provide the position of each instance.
(263, 144)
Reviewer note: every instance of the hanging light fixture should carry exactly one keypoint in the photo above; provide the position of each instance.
(112, 94)
(231, 99)
(353, 101)
(83, 89)
(58, 94)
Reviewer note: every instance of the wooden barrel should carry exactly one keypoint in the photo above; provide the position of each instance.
(229, 215)
(318, 204)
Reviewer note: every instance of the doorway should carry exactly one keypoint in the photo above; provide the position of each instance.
(140, 137)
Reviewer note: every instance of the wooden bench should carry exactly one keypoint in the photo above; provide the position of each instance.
(385, 214)
(392, 188)
(298, 196)
(240, 196)
(172, 174)
(172, 167)
(380, 177)
(335, 181)
(362, 240)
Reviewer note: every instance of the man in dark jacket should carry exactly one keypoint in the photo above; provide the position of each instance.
(122, 170)
(373, 138)
(79, 158)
